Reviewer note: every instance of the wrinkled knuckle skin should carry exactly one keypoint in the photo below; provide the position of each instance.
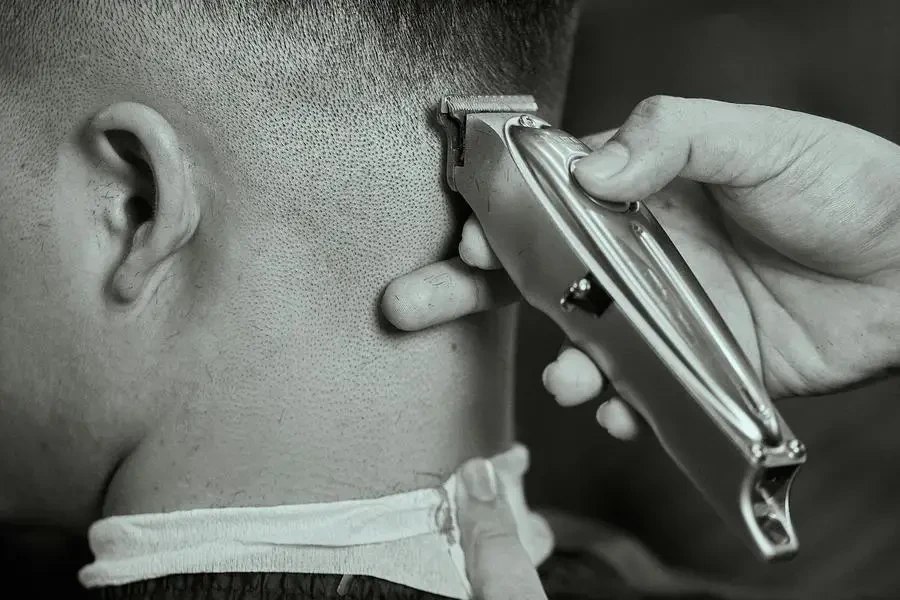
(488, 540)
(655, 108)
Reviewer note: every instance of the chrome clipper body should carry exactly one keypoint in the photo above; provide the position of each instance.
(609, 276)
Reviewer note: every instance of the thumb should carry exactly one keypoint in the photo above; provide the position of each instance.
(703, 140)
(497, 564)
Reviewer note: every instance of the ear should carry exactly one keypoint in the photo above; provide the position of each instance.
(141, 145)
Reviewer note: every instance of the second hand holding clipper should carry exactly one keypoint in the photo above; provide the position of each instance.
(611, 279)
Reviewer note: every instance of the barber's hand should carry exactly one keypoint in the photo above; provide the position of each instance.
(497, 564)
(792, 227)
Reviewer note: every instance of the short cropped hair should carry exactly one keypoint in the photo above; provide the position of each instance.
(401, 56)
(500, 42)
(512, 36)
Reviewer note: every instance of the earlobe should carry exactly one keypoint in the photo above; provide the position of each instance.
(139, 142)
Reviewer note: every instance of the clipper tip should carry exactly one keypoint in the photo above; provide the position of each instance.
(452, 112)
(456, 105)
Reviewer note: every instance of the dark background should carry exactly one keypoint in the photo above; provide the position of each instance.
(837, 59)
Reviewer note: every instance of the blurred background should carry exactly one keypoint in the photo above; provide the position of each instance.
(838, 59)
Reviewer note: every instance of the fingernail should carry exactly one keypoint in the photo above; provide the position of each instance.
(609, 160)
(613, 416)
(480, 480)
(549, 371)
(463, 250)
(603, 414)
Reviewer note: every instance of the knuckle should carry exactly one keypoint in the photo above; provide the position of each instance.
(595, 141)
(655, 108)
(494, 540)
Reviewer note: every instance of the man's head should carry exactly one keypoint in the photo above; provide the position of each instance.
(203, 199)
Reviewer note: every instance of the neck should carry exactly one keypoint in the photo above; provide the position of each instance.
(367, 413)
(397, 424)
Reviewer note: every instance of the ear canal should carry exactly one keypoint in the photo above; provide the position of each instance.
(139, 207)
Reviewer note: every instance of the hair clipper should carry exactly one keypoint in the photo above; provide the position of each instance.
(611, 279)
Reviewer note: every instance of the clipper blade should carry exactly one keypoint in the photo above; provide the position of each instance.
(493, 104)
(452, 113)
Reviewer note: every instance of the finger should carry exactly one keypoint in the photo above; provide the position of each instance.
(573, 378)
(497, 564)
(596, 140)
(443, 292)
(704, 140)
(474, 249)
(618, 419)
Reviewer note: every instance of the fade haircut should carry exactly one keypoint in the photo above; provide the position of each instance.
(490, 43)
(218, 57)
(507, 42)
